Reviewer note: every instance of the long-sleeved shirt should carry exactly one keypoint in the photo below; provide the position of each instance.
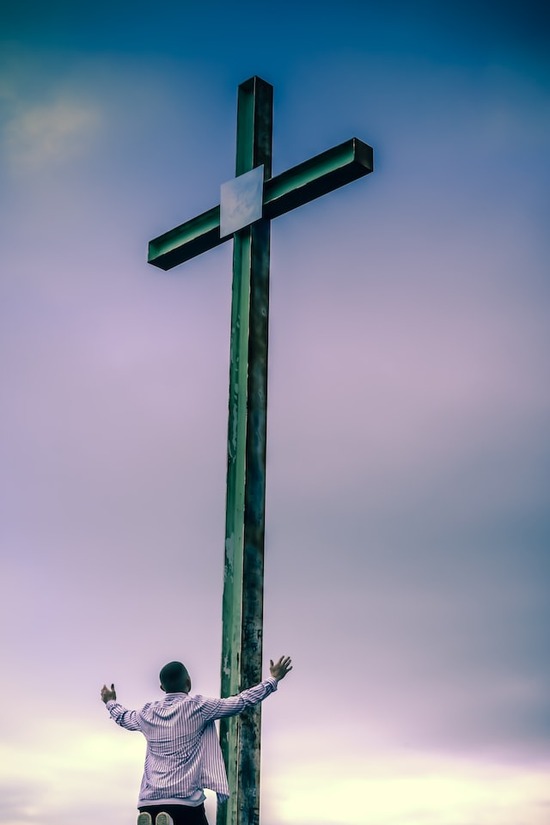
(183, 752)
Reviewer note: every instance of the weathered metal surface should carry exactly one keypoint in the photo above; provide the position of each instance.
(295, 187)
(245, 504)
(317, 176)
(186, 241)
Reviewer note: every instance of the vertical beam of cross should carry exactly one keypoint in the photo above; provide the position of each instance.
(245, 503)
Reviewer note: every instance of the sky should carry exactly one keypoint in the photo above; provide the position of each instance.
(407, 526)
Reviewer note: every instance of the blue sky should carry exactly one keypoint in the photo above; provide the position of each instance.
(407, 504)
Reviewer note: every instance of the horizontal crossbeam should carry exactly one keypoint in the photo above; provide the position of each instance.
(295, 187)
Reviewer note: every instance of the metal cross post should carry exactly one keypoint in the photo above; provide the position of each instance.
(248, 203)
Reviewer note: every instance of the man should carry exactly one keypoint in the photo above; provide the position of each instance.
(183, 753)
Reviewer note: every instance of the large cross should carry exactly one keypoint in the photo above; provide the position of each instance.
(247, 205)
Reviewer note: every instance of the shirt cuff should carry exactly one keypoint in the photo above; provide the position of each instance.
(272, 681)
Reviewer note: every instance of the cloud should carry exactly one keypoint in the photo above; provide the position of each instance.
(39, 136)
(68, 761)
(401, 788)
(18, 799)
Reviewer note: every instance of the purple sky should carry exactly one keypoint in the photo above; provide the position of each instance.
(407, 507)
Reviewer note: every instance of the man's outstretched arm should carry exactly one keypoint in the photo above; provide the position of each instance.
(216, 708)
(123, 717)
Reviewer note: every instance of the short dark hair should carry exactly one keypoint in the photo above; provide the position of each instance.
(174, 677)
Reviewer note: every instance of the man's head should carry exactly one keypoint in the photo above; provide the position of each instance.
(174, 678)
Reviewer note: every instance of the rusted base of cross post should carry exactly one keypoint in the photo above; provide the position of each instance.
(246, 454)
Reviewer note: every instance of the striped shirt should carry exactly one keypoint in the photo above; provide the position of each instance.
(183, 752)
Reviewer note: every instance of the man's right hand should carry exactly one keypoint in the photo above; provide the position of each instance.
(280, 668)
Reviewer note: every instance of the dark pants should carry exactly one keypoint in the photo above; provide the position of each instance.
(181, 814)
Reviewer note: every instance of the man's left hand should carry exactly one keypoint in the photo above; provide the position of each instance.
(108, 694)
